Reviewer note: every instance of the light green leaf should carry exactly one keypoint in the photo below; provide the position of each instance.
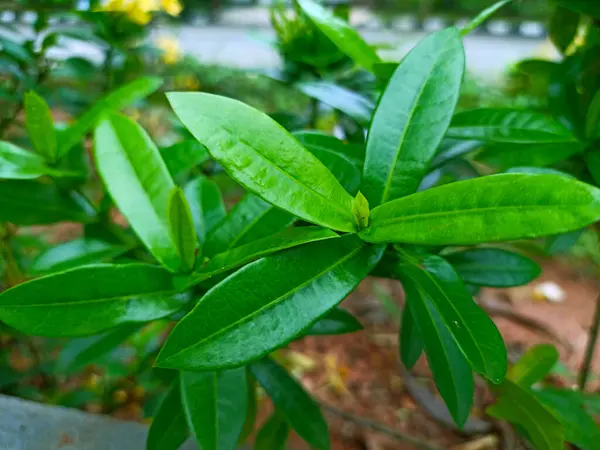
(182, 228)
(264, 158)
(495, 208)
(114, 101)
(215, 406)
(483, 16)
(341, 34)
(563, 27)
(473, 330)
(89, 300)
(19, 164)
(184, 156)
(451, 372)
(40, 126)
(298, 409)
(508, 126)
(534, 365)
(273, 434)
(412, 117)
(540, 170)
(169, 428)
(493, 267)
(505, 156)
(206, 205)
(337, 321)
(139, 183)
(520, 407)
(411, 344)
(257, 318)
(360, 209)
(78, 252)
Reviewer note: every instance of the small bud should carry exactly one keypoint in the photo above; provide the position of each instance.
(360, 209)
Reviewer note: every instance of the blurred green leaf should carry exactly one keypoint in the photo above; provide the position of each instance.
(336, 321)
(206, 205)
(534, 365)
(273, 434)
(184, 156)
(169, 428)
(411, 344)
(181, 224)
(563, 27)
(40, 126)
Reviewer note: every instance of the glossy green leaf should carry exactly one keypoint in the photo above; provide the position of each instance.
(336, 321)
(139, 183)
(251, 219)
(505, 156)
(78, 252)
(520, 407)
(495, 208)
(539, 170)
(563, 27)
(411, 344)
(89, 300)
(592, 123)
(19, 164)
(590, 8)
(474, 331)
(345, 161)
(351, 103)
(412, 116)
(292, 401)
(31, 203)
(182, 228)
(40, 126)
(114, 101)
(592, 160)
(184, 156)
(341, 34)
(508, 126)
(215, 405)
(534, 365)
(264, 158)
(494, 267)
(482, 17)
(169, 428)
(238, 256)
(273, 434)
(451, 372)
(257, 318)
(206, 205)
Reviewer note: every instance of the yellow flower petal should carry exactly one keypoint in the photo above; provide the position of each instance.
(172, 7)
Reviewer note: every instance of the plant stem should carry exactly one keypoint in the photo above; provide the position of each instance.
(314, 113)
(586, 368)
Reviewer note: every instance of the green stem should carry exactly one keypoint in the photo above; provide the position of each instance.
(586, 368)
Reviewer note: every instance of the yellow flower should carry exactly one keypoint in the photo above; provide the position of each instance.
(172, 7)
(138, 11)
(170, 47)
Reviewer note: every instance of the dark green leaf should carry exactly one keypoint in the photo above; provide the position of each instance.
(412, 116)
(291, 400)
(505, 156)
(520, 407)
(495, 208)
(592, 160)
(89, 300)
(257, 318)
(114, 101)
(182, 228)
(75, 253)
(184, 156)
(264, 158)
(563, 27)
(508, 126)
(252, 409)
(273, 434)
(337, 321)
(19, 164)
(341, 34)
(483, 16)
(561, 243)
(411, 344)
(588, 7)
(206, 205)
(534, 365)
(451, 372)
(139, 183)
(215, 406)
(169, 428)
(592, 123)
(494, 267)
(40, 126)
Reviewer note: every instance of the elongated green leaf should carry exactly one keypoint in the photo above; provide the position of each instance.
(139, 183)
(592, 123)
(169, 428)
(251, 219)
(561, 243)
(263, 157)
(31, 203)
(483, 16)
(451, 372)
(563, 27)
(540, 170)
(206, 205)
(182, 228)
(592, 160)
(89, 300)
(184, 156)
(343, 160)
(508, 126)
(411, 344)
(412, 117)
(341, 34)
(496, 208)
(520, 407)
(451, 149)
(273, 434)
(337, 321)
(75, 253)
(257, 318)
(114, 101)
(298, 409)
(471, 327)
(40, 126)
(494, 267)
(590, 8)
(215, 406)
(19, 164)
(505, 156)
(353, 104)
(238, 256)
(534, 365)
